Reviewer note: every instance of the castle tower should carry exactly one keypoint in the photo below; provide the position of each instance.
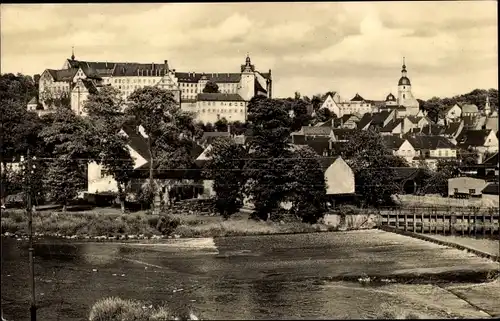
(247, 82)
(405, 96)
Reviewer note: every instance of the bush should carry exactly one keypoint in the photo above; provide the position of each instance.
(116, 309)
(167, 224)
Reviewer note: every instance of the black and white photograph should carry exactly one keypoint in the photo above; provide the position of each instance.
(249, 161)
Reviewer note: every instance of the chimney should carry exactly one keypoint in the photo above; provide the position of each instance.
(166, 66)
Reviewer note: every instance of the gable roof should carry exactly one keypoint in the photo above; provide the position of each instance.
(33, 101)
(343, 133)
(430, 142)
(318, 144)
(219, 97)
(63, 74)
(452, 128)
(473, 137)
(392, 141)
(469, 108)
(492, 189)
(365, 120)
(136, 141)
(435, 129)
(336, 122)
(492, 160)
(391, 126)
(316, 131)
(357, 97)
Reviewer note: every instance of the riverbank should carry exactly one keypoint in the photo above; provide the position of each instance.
(110, 224)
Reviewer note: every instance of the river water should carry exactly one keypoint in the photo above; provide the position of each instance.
(267, 277)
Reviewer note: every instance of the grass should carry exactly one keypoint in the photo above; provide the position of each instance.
(111, 223)
(117, 309)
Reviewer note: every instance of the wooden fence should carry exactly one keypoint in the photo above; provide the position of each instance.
(470, 222)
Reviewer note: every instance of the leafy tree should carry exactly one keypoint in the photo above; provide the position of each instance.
(307, 189)
(324, 114)
(267, 173)
(170, 131)
(316, 102)
(221, 125)
(211, 87)
(225, 168)
(72, 144)
(298, 107)
(297, 95)
(19, 128)
(199, 129)
(104, 110)
(209, 127)
(238, 128)
(373, 166)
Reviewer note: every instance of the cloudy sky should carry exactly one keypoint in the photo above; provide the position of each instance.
(450, 47)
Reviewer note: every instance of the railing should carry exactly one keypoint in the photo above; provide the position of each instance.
(470, 222)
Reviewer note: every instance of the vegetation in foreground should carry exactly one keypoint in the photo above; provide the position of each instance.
(113, 224)
(110, 309)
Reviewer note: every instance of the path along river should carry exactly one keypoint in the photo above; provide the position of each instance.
(260, 277)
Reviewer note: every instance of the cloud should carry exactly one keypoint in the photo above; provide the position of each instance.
(350, 46)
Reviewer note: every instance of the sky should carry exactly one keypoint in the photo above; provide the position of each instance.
(351, 47)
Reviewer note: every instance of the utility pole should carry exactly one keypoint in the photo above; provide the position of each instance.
(29, 209)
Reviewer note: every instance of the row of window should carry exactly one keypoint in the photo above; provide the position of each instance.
(213, 103)
(222, 111)
(135, 80)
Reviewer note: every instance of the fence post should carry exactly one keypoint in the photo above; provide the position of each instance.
(462, 228)
(397, 219)
(484, 223)
(492, 227)
(414, 221)
(475, 222)
(406, 220)
(453, 219)
(422, 219)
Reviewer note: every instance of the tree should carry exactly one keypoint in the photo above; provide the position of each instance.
(316, 102)
(238, 128)
(211, 87)
(373, 166)
(298, 108)
(225, 168)
(324, 114)
(209, 127)
(104, 110)
(72, 144)
(266, 172)
(221, 125)
(307, 189)
(170, 131)
(18, 127)
(199, 129)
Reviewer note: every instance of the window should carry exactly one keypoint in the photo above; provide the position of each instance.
(456, 190)
(403, 96)
(472, 191)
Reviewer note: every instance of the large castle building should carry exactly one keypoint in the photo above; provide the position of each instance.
(77, 79)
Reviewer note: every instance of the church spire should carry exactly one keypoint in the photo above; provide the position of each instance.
(73, 53)
(403, 71)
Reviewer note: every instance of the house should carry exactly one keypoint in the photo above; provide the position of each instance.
(346, 121)
(452, 113)
(400, 147)
(398, 126)
(314, 131)
(465, 187)
(470, 110)
(430, 149)
(210, 107)
(32, 104)
(341, 134)
(491, 193)
(321, 145)
(79, 94)
(357, 105)
(98, 181)
(409, 180)
(209, 137)
(453, 130)
(483, 141)
(376, 120)
(330, 102)
(419, 121)
(339, 176)
(488, 169)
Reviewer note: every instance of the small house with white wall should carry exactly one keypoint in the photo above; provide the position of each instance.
(465, 187)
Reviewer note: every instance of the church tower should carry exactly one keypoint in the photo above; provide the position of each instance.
(247, 82)
(405, 96)
(487, 107)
